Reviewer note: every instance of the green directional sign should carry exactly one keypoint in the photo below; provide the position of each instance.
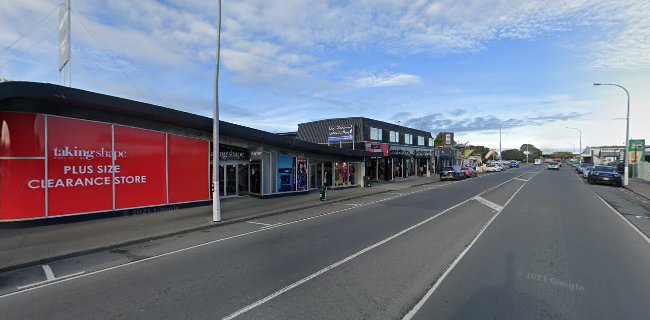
(636, 150)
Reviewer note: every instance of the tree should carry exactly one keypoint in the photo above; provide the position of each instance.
(561, 155)
(512, 154)
(534, 152)
(439, 141)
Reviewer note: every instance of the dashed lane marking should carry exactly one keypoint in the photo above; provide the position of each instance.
(50, 278)
(489, 203)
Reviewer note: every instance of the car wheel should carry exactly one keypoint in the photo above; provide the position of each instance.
(590, 181)
(619, 184)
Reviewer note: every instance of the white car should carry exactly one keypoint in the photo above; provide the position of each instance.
(493, 168)
(586, 170)
(553, 166)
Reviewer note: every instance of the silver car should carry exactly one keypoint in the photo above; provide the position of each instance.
(586, 170)
(553, 166)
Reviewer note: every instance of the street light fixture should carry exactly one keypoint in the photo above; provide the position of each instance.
(627, 131)
(580, 159)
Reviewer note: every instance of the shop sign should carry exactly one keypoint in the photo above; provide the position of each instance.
(226, 153)
(301, 174)
(377, 147)
(636, 151)
(340, 133)
(256, 155)
(89, 166)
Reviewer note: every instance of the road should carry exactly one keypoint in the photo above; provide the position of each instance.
(521, 244)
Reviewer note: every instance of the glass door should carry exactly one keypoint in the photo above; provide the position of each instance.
(256, 177)
(231, 180)
(242, 176)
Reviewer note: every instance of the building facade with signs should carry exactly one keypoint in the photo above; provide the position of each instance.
(398, 151)
(66, 151)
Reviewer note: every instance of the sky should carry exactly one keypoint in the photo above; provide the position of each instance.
(469, 67)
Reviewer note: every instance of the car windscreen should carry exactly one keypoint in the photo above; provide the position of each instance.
(604, 169)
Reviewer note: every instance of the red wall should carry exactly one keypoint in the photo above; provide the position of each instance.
(94, 167)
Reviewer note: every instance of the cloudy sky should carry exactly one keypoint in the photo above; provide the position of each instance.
(462, 66)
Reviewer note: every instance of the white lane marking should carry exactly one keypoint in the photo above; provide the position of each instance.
(278, 225)
(358, 253)
(521, 179)
(351, 204)
(29, 287)
(643, 235)
(260, 223)
(488, 203)
(334, 265)
(435, 286)
(49, 275)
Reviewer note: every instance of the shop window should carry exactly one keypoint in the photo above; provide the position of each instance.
(375, 133)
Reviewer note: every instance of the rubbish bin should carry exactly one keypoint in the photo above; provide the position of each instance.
(366, 181)
(323, 193)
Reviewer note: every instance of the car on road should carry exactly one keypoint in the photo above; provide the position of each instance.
(492, 167)
(586, 170)
(469, 172)
(452, 173)
(582, 166)
(605, 174)
(514, 164)
(502, 166)
(553, 166)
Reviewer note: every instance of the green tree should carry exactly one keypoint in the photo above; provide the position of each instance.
(439, 141)
(534, 153)
(561, 155)
(512, 154)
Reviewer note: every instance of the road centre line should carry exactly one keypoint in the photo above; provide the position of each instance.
(520, 179)
(264, 224)
(488, 203)
(358, 253)
(435, 286)
(635, 228)
(24, 289)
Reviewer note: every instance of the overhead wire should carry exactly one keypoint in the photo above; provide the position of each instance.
(110, 55)
(34, 27)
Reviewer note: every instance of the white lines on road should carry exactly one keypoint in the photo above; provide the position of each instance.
(334, 265)
(643, 235)
(521, 179)
(435, 286)
(340, 262)
(489, 203)
(263, 224)
(351, 204)
(50, 278)
(83, 274)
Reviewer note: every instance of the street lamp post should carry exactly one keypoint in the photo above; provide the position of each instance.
(216, 202)
(580, 158)
(627, 132)
(500, 124)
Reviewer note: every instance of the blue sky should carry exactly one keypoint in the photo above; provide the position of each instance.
(462, 66)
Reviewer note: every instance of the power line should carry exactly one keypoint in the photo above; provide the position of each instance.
(36, 26)
(110, 55)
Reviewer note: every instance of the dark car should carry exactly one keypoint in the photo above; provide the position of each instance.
(605, 174)
(469, 172)
(452, 173)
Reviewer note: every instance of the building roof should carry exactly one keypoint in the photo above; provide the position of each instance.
(314, 130)
(101, 103)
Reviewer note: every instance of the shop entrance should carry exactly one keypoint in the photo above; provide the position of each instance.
(233, 179)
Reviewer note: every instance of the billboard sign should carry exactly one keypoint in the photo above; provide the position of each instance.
(636, 150)
(340, 133)
(64, 34)
(56, 166)
(448, 139)
(489, 154)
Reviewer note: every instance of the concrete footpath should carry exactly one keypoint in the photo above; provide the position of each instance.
(22, 246)
(640, 187)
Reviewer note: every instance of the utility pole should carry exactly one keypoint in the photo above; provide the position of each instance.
(216, 201)
(627, 132)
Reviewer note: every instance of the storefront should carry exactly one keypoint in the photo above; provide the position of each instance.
(66, 151)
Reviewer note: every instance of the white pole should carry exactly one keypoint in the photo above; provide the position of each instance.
(627, 132)
(216, 202)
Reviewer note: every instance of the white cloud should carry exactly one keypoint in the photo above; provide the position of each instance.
(386, 79)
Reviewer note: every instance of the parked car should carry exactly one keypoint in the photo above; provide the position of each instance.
(582, 166)
(452, 173)
(553, 166)
(469, 172)
(605, 174)
(492, 167)
(514, 164)
(586, 170)
(502, 166)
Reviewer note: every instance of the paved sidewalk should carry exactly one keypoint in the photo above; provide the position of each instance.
(640, 187)
(23, 246)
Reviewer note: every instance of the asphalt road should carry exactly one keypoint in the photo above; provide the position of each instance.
(522, 244)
